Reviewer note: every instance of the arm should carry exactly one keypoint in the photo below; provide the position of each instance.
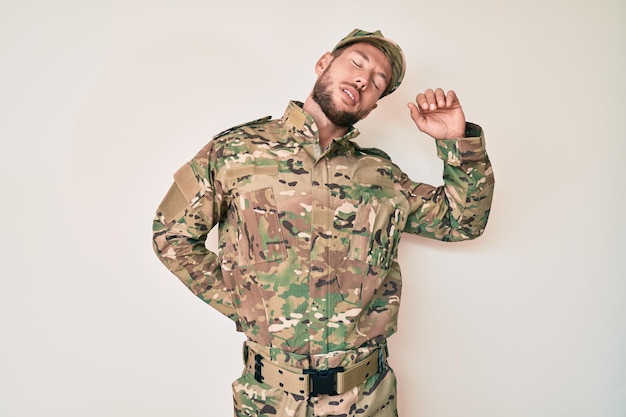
(191, 208)
(459, 209)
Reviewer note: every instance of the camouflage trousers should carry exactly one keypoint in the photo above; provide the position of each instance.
(375, 397)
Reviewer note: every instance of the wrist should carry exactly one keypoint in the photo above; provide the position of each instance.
(454, 134)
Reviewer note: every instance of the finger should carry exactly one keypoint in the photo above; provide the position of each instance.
(440, 97)
(430, 98)
(451, 98)
(415, 111)
(421, 101)
(417, 116)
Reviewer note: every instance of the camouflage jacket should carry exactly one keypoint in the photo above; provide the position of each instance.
(308, 238)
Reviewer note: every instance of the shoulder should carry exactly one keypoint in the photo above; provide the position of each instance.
(239, 142)
(239, 127)
(371, 152)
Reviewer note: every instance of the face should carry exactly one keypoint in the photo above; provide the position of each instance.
(350, 83)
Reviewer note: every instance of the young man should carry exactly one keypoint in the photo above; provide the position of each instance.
(309, 226)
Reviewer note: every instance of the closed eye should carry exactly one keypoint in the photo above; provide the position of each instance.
(359, 65)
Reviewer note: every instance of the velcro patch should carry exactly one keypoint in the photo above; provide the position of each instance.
(182, 192)
(187, 182)
(173, 204)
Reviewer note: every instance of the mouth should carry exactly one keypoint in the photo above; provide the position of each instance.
(351, 94)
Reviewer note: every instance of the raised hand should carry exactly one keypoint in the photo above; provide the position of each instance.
(438, 115)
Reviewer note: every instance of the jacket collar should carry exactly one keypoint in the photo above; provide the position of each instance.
(301, 122)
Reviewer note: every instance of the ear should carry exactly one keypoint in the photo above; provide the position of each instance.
(323, 63)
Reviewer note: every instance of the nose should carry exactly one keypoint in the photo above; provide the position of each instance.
(361, 84)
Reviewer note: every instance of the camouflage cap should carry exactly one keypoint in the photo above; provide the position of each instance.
(390, 49)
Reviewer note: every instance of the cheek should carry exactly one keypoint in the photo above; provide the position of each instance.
(370, 100)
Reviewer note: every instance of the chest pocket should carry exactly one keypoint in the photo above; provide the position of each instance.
(259, 235)
(376, 232)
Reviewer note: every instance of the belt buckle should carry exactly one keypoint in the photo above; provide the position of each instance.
(323, 381)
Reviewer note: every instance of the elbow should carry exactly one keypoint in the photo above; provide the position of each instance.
(159, 242)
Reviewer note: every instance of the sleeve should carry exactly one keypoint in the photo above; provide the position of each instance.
(459, 209)
(190, 209)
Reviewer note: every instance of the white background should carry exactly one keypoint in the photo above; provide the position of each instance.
(101, 101)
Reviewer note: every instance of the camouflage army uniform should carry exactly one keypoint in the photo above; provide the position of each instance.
(308, 241)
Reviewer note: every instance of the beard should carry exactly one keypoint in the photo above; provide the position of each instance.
(323, 97)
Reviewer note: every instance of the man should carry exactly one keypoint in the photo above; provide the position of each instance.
(309, 226)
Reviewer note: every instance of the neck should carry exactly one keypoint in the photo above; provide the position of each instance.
(327, 129)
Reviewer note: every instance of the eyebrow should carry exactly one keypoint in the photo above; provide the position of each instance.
(367, 59)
